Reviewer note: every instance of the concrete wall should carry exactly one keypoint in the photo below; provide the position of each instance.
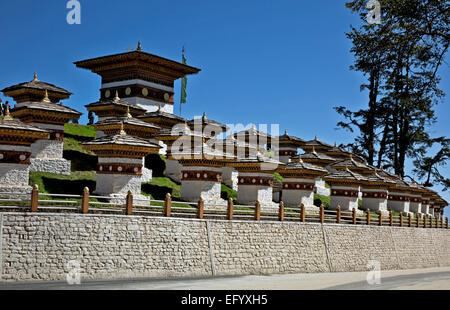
(40, 246)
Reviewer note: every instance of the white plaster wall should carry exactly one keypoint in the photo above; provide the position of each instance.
(150, 105)
(47, 149)
(294, 198)
(230, 177)
(14, 175)
(120, 160)
(118, 183)
(248, 194)
(193, 190)
(173, 169)
(399, 206)
(147, 175)
(51, 165)
(320, 187)
(415, 207)
(374, 204)
(346, 203)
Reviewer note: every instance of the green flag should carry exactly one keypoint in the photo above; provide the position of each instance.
(183, 83)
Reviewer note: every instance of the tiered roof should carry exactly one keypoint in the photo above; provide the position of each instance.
(114, 107)
(317, 145)
(15, 132)
(45, 112)
(35, 90)
(161, 119)
(345, 176)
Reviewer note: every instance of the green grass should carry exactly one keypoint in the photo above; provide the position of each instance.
(227, 193)
(159, 187)
(278, 177)
(320, 199)
(63, 184)
(86, 131)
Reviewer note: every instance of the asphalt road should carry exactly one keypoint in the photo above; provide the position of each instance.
(415, 279)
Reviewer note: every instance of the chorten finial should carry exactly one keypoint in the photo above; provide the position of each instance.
(46, 99)
(139, 48)
(128, 114)
(122, 131)
(159, 108)
(315, 138)
(285, 132)
(35, 79)
(117, 96)
(7, 114)
(314, 150)
(204, 116)
(335, 145)
(300, 158)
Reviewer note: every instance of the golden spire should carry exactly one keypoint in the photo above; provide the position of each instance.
(335, 145)
(46, 99)
(159, 108)
(122, 131)
(285, 132)
(117, 96)
(127, 114)
(35, 77)
(7, 114)
(315, 138)
(300, 158)
(139, 48)
(314, 150)
(204, 116)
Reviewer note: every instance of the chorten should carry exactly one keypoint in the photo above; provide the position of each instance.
(120, 162)
(317, 145)
(16, 139)
(141, 78)
(375, 192)
(345, 186)
(207, 127)
(298, 183)
(287, 146)
(255, 180)
(42, 112)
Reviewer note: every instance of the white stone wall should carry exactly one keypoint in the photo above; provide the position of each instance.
(14, 175)
(173, 170)
(39, 246)
(147, 175)
(51, 165)
(230, 177)
(47, 149)
(320, 187)
(117, 184)
(294, 198)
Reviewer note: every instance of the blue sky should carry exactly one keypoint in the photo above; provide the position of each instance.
(263, 62)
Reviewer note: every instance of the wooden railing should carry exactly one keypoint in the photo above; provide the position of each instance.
(95, 204)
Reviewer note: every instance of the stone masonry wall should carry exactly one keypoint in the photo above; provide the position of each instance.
(39, 246)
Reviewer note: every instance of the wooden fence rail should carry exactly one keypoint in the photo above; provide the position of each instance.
(86, 203)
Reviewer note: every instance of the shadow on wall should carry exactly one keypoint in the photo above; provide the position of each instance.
(157, 192)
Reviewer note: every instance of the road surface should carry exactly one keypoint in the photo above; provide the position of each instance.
(415, 279)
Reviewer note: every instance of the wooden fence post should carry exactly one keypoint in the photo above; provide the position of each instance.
(446, 222)
(257, 211)
(168, 205)
(281, 211)
(338, 214)
(368, 217)
(129, 204)
(417, 220)
(424, 221)
(391, 218)
(354, 216)
(230, 209)
(200, 208)
(442, 222)
(322, 214)
(380, 218)
(302, 213)
(431, 222)
(85, 201)
(401, 219)
(409, 220)
(437, 222)
(34, 198)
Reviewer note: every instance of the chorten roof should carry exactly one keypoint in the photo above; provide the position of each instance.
(316, 144)
(114, 107)
(13, 131)
(35, 84)
(204, 121)
(345, 176)
(285, 138)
